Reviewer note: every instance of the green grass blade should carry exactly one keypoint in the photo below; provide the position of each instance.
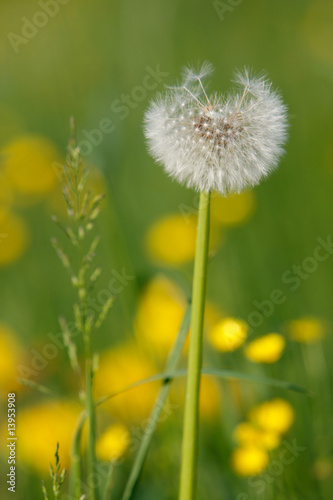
(229, 374)
(226, 374)
(158, 407)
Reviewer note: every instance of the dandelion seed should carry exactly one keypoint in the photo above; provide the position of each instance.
(225, 142)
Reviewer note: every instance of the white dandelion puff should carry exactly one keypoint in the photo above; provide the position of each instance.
(221, 143)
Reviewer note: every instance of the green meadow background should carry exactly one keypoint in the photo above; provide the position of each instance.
(90, 60)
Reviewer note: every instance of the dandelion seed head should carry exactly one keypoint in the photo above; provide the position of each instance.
(217, 142)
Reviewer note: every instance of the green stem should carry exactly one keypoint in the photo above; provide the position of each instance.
(109, 482)
(94, 494)
(191, 415)
(75, 486)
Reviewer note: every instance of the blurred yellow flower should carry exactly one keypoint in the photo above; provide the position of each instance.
(118, 368)
(11, 354)
(267, 349)
(267, 422)
(246, 433)
(232, 210)
(14, 238)
(249, 460)
(40, 428)
(172, 240)
(113, 443)
(228, 334)
(160, 312)
(307, 329)
(276, 415)
(316, 29)
(28, 162)
(323, 468)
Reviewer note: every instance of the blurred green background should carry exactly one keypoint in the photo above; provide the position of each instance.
(86, 59)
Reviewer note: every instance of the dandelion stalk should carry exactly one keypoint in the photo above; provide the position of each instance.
(191, 415)
(222, 143)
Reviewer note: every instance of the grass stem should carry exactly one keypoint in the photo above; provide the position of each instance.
(90, 408)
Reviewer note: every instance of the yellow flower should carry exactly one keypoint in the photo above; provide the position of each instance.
(228, 334)
(323, 468)
(40, 428)
(172, 239)
(11, 354)
(316, 29)
(14, 238)
(232, 210)
(113, 443)
(160, 313)
(247, 434)
(307, 329)
(28, 163)
(249, 460)
(267, 349)
(276, 415)
(118, 368)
